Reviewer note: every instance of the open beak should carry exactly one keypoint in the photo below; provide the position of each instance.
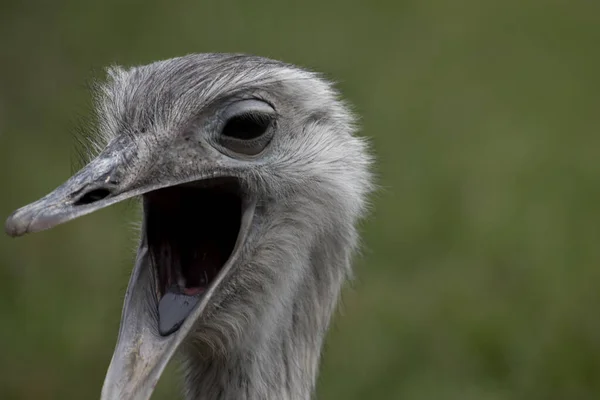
(192, 235)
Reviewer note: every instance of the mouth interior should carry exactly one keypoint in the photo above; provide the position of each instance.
(191, 231)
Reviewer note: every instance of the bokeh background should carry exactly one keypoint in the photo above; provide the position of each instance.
(480, 276)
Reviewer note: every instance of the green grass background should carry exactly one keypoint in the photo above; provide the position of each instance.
(480, 277)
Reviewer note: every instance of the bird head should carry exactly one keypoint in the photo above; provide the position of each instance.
(243, 165)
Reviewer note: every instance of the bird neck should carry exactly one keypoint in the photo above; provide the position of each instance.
(276, 358)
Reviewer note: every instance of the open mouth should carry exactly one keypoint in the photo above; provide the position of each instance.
(191, 232)
(193, 238)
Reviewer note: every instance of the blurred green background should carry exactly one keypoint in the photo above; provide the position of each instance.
(480, 277)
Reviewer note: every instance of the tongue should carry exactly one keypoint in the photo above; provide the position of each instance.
(174, 307)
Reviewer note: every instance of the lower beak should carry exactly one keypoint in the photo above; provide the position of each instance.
(142, 353)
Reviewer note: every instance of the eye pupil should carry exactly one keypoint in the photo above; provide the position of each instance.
(247, 126)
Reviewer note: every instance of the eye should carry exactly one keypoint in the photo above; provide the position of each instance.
(248, 126)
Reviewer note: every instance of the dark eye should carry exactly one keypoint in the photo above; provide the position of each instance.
(247, 126)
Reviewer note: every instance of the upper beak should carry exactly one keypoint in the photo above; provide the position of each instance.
(94, 187)
(141, 353)
(104, 181)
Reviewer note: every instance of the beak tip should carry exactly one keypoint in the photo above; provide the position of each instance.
(15, 226)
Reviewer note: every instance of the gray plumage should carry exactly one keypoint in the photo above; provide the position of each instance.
(260, 335)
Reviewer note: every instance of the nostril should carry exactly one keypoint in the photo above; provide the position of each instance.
(92, 196)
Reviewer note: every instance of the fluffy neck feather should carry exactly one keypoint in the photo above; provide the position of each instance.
(277, 357)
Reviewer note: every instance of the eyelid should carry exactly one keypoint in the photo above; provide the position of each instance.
(247, 107)
(249, 145)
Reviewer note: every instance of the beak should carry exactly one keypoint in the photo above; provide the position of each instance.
(92, 188)
(141, 352)
(104, 181)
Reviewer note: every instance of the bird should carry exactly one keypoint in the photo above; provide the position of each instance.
(253, 180)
